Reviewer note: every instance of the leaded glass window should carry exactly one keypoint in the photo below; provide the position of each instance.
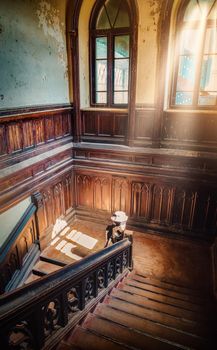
(195, 76)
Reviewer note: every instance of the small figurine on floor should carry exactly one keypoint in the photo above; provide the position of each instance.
(115, 231)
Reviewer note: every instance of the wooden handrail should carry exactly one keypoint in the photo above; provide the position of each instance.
(38, 310)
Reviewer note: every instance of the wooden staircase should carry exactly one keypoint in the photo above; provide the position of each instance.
(145, 313)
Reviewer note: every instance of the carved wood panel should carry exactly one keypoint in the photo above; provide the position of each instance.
(52, 203)
(120, 194)
(179, 208)
(187, 130)
(104, 125)
(84, 190)
(19, 133)
(141, 199)
(101, 193)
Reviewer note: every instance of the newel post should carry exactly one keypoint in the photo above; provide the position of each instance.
(40, 217)
(129, 235)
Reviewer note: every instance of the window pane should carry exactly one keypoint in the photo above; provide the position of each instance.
(122, 46)
(123, 18)
(211, 41)
(101, 75)
(205, 6)
(186, 75)
(192, 12)
(184, 98)
(208, 81)
(102, 20)
(101, 97)
(121, 74)
(213, 13)
(207, 98)
(112, 7)
(121, 97)
(190, 41)
(101, 47)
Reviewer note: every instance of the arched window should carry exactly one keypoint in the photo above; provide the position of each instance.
(195, 73)
(110, 46)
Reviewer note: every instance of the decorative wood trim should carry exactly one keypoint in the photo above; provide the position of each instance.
(9, 112)
(23, 136)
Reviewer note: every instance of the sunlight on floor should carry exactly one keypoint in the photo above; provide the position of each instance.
(61, 236)
(82, 239)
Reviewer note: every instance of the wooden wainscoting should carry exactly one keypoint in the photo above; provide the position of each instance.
(109, 126)
(53, 201)
(34, 131)
(190, 130)
(169, 193)
(144, 120)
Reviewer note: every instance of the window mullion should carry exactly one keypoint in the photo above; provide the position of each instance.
(110, 69)
(199, 64)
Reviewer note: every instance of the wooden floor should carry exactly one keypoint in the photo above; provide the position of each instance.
(182, 262)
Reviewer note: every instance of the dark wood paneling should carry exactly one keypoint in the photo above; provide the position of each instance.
(25, 180)
(143, 126)
(21, 132)
(190, 130)
(108, 126)
(171, 206)
(53, 202)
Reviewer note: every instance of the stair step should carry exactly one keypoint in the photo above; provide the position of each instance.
(52, 253)
(156, 316)
(193, 299)
(125, 335)
(65, 346)
(31, 278)
(164, 285)
(44, 268)
(151, 328)
(161, 298)
(86, 339)
(158, 306)
(52, 260)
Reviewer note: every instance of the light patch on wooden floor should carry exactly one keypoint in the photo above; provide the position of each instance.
(82, 239)
(61, 237)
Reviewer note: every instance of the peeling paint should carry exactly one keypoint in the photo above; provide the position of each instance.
(49, 21)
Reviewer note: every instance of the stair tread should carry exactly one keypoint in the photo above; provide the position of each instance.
(125, 335)
(193, 299)
(45, 267)
(165, 285)
(151, 328)
(52, 252)
(155, 305)
(65, 346)
(159, 317)
(32, 278)
(85, 339)
(162, 298)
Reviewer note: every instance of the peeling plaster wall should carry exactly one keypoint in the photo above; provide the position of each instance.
(33, 57)
(149, 11)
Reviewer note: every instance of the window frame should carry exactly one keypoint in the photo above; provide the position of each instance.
(180, 26)
(110, 33)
